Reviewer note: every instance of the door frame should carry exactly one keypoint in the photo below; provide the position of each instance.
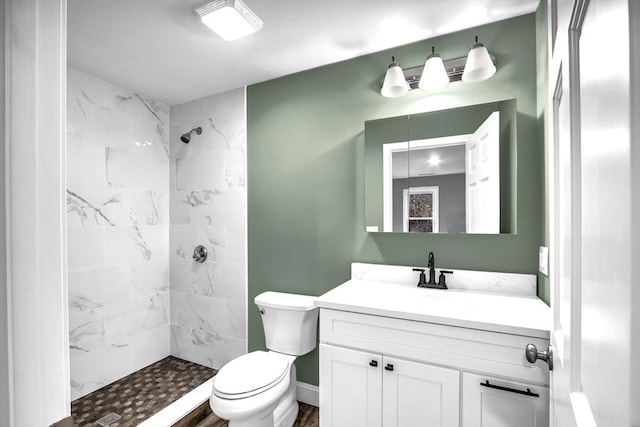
(37, 337)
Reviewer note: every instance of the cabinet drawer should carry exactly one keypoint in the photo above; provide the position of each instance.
(492, 402)
(463, 348)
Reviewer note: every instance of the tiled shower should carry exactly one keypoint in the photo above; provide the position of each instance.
(138, 202)
(208, 200)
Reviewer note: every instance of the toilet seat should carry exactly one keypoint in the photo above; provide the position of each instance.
(251, 374)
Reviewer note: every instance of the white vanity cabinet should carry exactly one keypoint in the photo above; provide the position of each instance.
(391, 372)
(368, 389)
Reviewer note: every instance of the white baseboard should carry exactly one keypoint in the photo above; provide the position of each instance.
(309, 394)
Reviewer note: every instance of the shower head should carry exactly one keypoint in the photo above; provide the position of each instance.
(187, 136)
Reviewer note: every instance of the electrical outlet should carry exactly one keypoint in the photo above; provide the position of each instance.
(543, 260)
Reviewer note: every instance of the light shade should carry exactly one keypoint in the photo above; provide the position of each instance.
(395, 83)
(230, 19)
(479, 65)
(434, 76)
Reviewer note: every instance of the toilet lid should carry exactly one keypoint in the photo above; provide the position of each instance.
(252, 372)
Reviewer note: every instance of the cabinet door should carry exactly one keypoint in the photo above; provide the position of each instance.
(486, 406)
(350, 388)
(416, 394)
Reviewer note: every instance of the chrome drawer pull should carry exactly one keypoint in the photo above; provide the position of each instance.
(509, 389)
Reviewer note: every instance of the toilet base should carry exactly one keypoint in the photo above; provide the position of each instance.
(284, 414)
(266, 421)
(289, 417)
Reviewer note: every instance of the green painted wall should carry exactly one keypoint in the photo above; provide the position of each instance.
(305, 154)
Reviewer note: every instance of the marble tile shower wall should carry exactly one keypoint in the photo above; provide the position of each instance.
(208, 207)
(118, 231)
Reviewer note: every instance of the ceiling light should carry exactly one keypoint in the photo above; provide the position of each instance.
(395, 83)
(479, 65)
(434, 161)
(230, 19)
(434, 76)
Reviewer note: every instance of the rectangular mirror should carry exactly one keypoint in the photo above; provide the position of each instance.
(450, 171)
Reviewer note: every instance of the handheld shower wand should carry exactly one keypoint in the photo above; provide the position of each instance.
(187, 136)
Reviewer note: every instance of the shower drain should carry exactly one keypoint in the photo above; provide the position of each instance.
(108, 419)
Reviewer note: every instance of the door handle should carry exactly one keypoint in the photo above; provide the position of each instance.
(532, 354)
(389, 367)
(373, 363)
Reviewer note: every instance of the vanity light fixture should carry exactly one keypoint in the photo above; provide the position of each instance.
(434, 75)
(394, 84)
(230, 19)
(477, 66)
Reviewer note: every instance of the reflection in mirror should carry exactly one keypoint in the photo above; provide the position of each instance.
(448, 183)
(433, 187)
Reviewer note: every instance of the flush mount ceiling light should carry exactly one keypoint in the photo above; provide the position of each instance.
(395, 84)
(477, 66)
(230, 19)
(434, 76)
(434, 160)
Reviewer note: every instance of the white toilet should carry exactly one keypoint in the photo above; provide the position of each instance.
(259, 389)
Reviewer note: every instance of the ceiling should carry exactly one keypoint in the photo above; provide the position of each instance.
(160, 49)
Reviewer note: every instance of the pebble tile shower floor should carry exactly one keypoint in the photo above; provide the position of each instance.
(138, 396)
(143, 393)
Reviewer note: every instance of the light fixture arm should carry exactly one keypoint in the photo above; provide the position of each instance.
(478, 44)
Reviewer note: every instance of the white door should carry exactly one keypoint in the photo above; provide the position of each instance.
(482, 178)
(350, 388)
(564, 229)
(593, 236)
(417, 394)
(493, 402)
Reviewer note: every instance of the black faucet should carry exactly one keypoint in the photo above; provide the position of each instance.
(431, 265)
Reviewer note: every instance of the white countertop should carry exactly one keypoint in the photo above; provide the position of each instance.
(513, 314)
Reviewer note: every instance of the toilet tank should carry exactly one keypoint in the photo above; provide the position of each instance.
(290, 322)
